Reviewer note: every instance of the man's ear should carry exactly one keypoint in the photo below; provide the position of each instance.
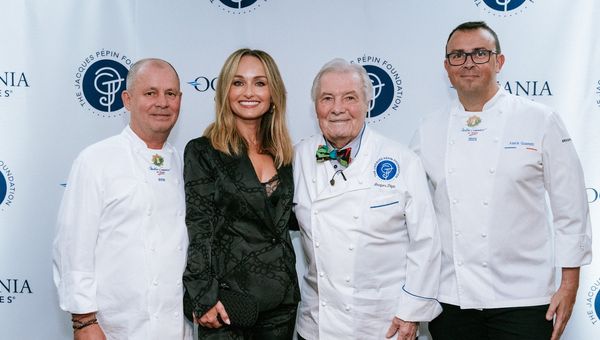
(126, 99)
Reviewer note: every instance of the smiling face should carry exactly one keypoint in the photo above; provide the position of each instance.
(153, 100)
(249, 95)
(341, 107)
(474, 80)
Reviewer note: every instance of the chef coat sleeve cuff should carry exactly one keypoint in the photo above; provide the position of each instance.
(573, 250)
(415, 308)
(77, 292)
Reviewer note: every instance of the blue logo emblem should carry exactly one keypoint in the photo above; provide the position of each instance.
(2, 187)
(597, 306)
(386, 169)
(99, 81)
(103, 83)
(383, 90)
(504, 5)
(504, 8)
(238, 6)
(387, 87)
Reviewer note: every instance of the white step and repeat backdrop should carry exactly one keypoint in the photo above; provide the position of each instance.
(52, 106)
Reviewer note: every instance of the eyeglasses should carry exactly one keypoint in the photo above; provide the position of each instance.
(479, 56)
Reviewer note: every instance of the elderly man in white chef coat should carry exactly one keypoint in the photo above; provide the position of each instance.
(492, 158)
(120, 249)
(366, 221)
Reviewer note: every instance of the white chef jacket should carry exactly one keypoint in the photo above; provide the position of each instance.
(121, 243)
(371, 241)
(489, 184)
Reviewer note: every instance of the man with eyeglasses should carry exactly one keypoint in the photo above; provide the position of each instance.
(491, 159)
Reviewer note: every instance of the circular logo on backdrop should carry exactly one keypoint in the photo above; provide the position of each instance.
(504, 8)
(7, 186)
(386, 169)
(99, 82)
(387, 87)
(238, 6)
(592, 302)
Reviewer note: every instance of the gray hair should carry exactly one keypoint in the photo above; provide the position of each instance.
(339, 65)
(137, 66)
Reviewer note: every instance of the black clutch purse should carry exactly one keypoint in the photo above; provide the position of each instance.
(241, 308)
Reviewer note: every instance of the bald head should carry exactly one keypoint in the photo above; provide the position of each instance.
(141, 64)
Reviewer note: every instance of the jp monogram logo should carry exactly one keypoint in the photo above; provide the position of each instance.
(100, 80)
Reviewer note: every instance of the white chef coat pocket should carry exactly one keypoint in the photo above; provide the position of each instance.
(373, 316)
(520, 164)
(383, 211)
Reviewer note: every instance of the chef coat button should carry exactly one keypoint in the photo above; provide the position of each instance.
(454, 201)
(153, 249)
(321, 274)
(492, 170)
(351, 247)
(460, 263)
(484, 235)
(176, 314)
(347, 278)
(314, 180)
(317, 244)
(323, 303)
(485, 203)
(484, 264)
(355, 217)
(500, 111)
(451, 170)
(347, 308)
(496, 139)
(149, 212)
(155, 283)
(156, 316)
(316, 212)
(457, 233)
(180, 248)
(178, 283)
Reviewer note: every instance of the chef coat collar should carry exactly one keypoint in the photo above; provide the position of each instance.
(139, 144)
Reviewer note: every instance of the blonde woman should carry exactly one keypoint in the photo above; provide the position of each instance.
(240, 278)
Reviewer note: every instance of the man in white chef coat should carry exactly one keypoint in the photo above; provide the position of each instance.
(491, 159)
(120, 248)
(366, 220)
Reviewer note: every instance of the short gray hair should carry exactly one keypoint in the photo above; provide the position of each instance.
(339, 65)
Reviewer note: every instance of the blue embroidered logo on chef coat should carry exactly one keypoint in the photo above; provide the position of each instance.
(386, 169)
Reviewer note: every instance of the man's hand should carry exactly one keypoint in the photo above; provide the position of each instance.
(563, 300)
(210, 319)
(406, 330)
(91, 332)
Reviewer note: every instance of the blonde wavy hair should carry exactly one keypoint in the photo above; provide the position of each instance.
(274, 135)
